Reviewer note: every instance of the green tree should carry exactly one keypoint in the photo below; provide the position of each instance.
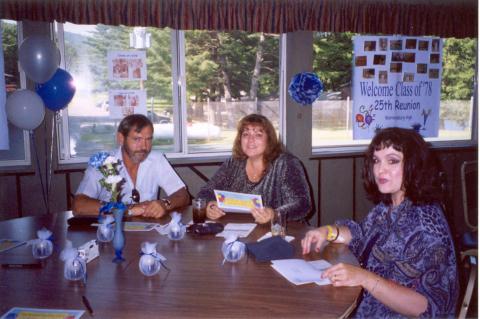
(159, 66)
(231, 65)
(459, 57)
(10, 53)
(103, 39)
(332, 60)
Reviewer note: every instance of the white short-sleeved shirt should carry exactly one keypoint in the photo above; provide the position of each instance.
(155, 171)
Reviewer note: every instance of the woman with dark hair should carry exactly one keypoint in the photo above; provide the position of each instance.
(404, 245)
(260, 166)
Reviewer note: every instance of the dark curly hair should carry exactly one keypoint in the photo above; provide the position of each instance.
(134, 121)
(274, 146)
(421, 179)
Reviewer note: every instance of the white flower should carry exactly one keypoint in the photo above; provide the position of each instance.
(113, 179)
(110, 160)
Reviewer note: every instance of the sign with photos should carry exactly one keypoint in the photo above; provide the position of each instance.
(126, 102)
(127, 65)
(396, 82)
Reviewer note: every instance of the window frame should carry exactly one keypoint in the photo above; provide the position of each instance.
(27, 160)
(180, 146)
(179, 101)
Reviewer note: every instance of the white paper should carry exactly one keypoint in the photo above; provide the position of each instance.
(299, 271)
(233, 202)
(139, 226)
(162, 229)
(269, 234)
(239, 230)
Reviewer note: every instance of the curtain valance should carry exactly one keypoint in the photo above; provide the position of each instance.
(445, 18)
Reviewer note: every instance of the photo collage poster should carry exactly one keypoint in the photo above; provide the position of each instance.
(126, 102)
(396, 82)
(127, 66)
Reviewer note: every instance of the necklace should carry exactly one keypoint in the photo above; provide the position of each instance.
(257, 177)
(252, 175)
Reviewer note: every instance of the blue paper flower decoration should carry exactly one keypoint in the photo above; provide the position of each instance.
(97, 159)
(305, 88)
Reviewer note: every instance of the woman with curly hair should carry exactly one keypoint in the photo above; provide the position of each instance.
(259, 165)
(404, 246)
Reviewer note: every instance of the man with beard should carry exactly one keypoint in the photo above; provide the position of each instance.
(143, 174)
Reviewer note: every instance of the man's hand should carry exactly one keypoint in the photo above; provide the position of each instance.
(154, 209)
(151, 209)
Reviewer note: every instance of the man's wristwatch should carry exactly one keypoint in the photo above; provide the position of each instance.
(166, 203)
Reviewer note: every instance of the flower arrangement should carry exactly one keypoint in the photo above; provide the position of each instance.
(111, 180)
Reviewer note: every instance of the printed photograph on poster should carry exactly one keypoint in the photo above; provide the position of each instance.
(396, 82)
(126, 102)
(127, 65)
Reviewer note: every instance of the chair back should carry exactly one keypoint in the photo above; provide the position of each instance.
(469, 180)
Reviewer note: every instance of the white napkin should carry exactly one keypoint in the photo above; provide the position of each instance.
(269, 234)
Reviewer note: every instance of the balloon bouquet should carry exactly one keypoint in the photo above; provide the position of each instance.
(40, 58)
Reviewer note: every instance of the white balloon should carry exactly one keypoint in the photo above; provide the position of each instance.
(25, 109)
(39, 58)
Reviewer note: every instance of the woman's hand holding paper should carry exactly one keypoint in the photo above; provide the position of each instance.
(213, 211)
(262, 215)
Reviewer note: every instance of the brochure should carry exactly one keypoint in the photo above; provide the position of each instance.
(233, 202)
(299, 271)
(32, 313)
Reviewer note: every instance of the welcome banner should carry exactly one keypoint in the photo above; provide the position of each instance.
(396, 82)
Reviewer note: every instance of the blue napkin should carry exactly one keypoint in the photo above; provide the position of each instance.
(271, 249)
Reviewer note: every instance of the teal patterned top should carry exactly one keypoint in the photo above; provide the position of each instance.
(411, 246)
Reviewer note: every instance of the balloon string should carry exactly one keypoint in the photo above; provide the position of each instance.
(50, 172)
(32, 136)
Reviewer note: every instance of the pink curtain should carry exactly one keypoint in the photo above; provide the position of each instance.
(445, 18)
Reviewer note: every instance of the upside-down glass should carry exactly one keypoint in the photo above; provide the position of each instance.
(278, 224)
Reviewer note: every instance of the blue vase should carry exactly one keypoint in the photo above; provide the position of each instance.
(118, 238)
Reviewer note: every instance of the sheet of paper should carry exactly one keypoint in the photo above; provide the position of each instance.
(6, 244)
(139, 226)
(239, 230)
(162, 229)
(237, 202)
(33, 313)
(269, 234)
(299, 271)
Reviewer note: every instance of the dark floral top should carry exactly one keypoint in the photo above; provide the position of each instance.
(413, 248)
(283, 187)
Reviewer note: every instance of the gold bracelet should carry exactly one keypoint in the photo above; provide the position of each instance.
(330, 236)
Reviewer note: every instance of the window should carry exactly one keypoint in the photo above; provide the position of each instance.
(19, 153)
(198, 85)
(332, 112)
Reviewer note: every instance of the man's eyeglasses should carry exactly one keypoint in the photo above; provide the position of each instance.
(135, 196)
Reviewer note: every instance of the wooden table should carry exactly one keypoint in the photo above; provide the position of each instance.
(197, 286)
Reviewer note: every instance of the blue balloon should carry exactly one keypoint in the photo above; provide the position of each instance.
(305, 88)
(57, 92)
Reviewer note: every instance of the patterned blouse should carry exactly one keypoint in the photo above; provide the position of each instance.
(283, 187)
(413, 248)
